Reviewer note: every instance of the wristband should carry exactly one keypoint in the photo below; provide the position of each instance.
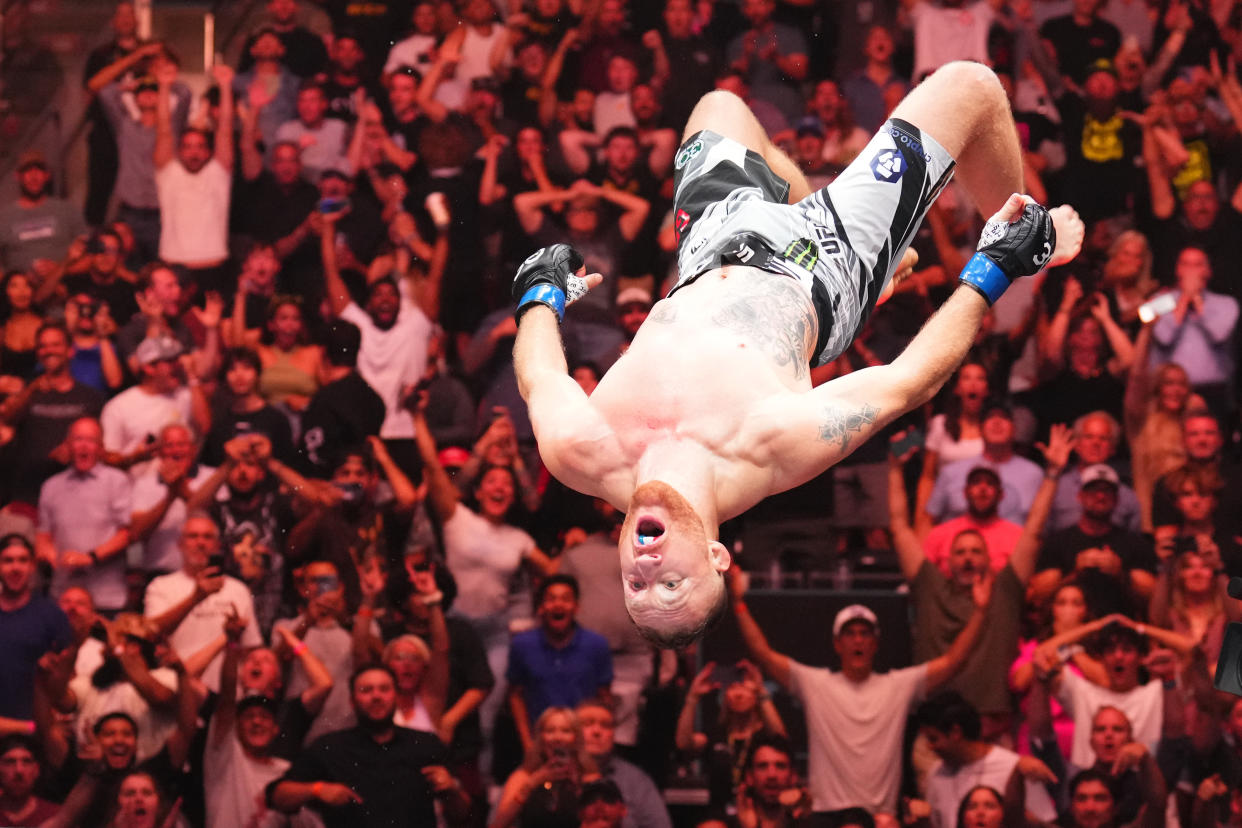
(365, 611)
(317, 789)
(544, 294)
(985, 276)
(299, 648)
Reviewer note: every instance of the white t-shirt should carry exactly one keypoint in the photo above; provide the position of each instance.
(194, 212)
(1143, 706)
(944, 34)
(160, 551)
(233, 783)
(393, 359)
(483, 558)
(855, 732)
(476, 53)
(133, 414)
(612, 109)
(154, 725)
(205, 622)
(946, 787)
(940, 441)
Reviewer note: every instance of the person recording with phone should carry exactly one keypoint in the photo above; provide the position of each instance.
(189, 606)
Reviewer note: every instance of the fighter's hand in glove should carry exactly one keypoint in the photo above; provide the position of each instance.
(1018, 241)
(552, 276)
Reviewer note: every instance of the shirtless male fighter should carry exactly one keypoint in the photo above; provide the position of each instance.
(711, 409)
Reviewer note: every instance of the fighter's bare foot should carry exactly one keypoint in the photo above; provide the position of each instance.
(1070, 232)
(908, 260)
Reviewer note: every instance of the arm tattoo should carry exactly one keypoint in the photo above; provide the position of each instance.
(776, 315)
(842, 424)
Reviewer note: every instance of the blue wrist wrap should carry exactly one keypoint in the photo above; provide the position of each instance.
(544, 294)
(985, 276)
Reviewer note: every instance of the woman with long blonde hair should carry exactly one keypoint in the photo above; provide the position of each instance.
(543, 792)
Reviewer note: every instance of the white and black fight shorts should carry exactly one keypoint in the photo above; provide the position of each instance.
(843, 242)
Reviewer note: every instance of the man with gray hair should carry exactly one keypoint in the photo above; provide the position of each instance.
(160, 496)
(1096, 435)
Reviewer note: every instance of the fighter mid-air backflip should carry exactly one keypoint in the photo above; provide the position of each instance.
(711, 409)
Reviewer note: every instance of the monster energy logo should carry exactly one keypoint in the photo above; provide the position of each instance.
(803, 253)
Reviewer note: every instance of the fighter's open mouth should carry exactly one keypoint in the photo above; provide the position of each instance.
(649, 531)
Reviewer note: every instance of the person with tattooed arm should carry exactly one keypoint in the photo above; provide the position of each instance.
(712, 408)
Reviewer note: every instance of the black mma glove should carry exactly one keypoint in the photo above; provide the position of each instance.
(1008, 251)
(546, 277)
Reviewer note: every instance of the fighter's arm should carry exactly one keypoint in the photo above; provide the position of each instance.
(577, 445)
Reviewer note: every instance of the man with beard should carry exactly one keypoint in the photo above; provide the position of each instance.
(304, 50)
(1200, 220)
(84, 515)
(194, 183)
(1097, 435)
(644, 805)
(30, 625)
(36, 229)
(770, 796)
(19, 771)
(943, 602)
(1116, 566)
(557, 664)
(375, 773)
(396, 324)
(40, 416)
(856, 717)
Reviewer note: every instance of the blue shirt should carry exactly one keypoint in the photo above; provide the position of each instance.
(1202, 343)
(25, 635)
(1020, 480)
(551, 677)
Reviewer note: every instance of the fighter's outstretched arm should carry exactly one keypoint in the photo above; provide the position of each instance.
(840, 415)
(577, 446)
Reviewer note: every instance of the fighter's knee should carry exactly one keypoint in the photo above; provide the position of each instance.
(720, 102)
(970, 80)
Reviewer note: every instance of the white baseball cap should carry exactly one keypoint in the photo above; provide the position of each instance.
(854, 612)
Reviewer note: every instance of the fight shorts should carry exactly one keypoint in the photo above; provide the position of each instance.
(843, 242)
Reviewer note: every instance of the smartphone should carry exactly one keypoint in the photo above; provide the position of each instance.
(1156, 307)
(332, 205)
(216, 561)
(726, 674)
(912, 440)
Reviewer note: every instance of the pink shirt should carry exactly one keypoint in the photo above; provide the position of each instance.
(1000, 536)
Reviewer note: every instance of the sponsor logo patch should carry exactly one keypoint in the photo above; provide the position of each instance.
(680, 222)
(803, 252)
(888, 165)
(689, 152)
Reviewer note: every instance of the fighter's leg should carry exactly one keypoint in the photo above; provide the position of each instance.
(728, 115)
(963, 106)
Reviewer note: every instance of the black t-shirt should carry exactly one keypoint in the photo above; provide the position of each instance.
(305, 54)
(267, 212)
(1068, 396)
(341, 414)
(387, 777)
(1104, 593)
(226, 424)
(43, 428)
(1078, 46)
(118, 294)
(1101, 174)
(1222, 242)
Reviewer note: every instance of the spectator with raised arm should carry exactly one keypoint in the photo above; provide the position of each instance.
(322, 140)
(194, 180)
(856, 717)
(160, 497)
(944, 605)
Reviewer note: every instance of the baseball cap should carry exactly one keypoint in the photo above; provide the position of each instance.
(633, 296)
(1101, 65)
(1100, 473)
(154, 349)
(31, 158)
(453, 457)
(854, 612)
(810, 124)
(987, 470)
